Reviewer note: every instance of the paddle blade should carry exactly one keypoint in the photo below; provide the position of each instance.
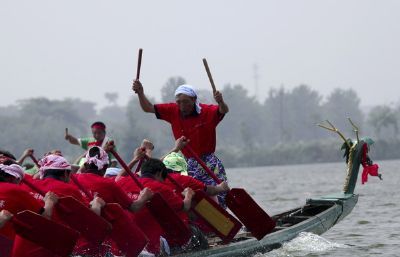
(176, 231)
(256, 220)
(217, 218)
(77, 216)
(48, 234)
(5, 246)
(129, 238)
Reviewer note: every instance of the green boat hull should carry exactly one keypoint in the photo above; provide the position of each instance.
(317, 216)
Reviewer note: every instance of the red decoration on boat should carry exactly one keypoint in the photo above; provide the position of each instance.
(369, 168)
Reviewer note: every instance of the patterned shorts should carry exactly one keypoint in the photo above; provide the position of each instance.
(215, 165)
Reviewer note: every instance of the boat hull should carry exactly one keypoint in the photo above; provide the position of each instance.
(333, 209)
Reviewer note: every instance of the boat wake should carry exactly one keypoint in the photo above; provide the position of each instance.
(304, 244)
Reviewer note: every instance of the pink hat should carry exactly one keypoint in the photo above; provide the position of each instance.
(53, 162)
(99, 161)
(14, 170)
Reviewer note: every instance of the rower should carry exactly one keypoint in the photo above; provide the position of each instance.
(153, 175)
(195, 121)
(14, 199)
(148, 223)
(91, 177)
(54, 176)
(99, 139)
(177, 167)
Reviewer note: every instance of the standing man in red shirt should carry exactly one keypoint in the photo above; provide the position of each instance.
(197, 122)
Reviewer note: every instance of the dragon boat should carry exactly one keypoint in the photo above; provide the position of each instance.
(317, 215)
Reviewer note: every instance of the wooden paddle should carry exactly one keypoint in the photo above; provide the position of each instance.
(209, 75)
(6, 245)
(46, 233)
(160, 209)
(76, 215)
(139, 64)
(219, 220)
(256, 220)
(129, 238)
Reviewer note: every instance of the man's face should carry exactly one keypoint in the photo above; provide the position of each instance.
(98, 134)
(185, 103)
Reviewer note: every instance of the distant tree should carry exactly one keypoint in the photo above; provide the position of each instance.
(381, 118)
(303, 111)
(340, 105)
(244, 113)
(168, 90)
(112, 97)
(40, 124)
(292, 115)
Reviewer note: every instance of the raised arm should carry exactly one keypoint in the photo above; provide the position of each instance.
(27, 152)
(180, 143)
(138, 154)
(73, 140)
(146, 105)
(223, 107)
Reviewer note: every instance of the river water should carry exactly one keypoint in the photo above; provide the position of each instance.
(373, 228)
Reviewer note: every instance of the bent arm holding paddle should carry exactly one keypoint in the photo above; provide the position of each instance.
(145, 195)
(146, 105)
(70, 138)
(222, 106)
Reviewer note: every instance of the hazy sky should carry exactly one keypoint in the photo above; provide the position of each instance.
(85, 48)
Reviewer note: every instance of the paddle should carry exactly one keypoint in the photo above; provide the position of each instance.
(46, 233)
(167, 218)
(219, 220)
(6, 245)
(125, 233)
(209, 75)
(76, 215)
(139, 64)
(256, 220)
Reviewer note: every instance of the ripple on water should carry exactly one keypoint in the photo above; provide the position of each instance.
(305, 244)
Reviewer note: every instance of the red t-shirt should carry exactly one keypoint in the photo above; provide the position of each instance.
(14, 199)
(107, 189)
(60, 188)
(185, 181)
(171, 197)
(144, 218)
(199, 128)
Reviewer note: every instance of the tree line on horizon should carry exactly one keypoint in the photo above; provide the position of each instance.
(279, 130)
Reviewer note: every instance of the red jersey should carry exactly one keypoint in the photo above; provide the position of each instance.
(185, 181)
(107, 189)
(60, 188)
(169, 195)
(14, 199)
(144, 218)
(199, 128)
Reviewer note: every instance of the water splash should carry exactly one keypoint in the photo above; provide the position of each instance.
(304, 244)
